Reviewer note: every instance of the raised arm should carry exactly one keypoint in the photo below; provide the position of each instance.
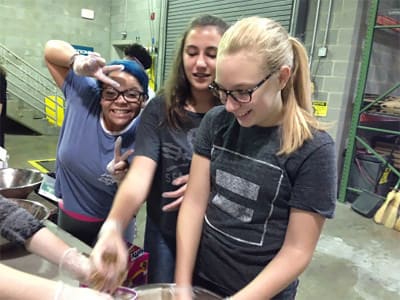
(59, 56)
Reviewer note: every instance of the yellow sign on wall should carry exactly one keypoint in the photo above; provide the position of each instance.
(320, 108)
(54, 110)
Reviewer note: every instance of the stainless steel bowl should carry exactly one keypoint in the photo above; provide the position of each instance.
(166, 291)
(37, 209)
(18, 183)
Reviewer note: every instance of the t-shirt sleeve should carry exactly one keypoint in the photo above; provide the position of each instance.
(17, 224)
(315, 186)
(204, 137)
(148, 141)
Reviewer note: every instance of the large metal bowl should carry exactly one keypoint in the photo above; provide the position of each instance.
(38, 210)
(18, 183)
(166, 291)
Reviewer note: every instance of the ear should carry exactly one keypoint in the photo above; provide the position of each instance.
(284, 75)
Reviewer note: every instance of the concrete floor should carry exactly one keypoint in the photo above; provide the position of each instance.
(355, 258)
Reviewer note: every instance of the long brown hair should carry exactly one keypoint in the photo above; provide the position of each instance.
(177, 88)
(267, 39)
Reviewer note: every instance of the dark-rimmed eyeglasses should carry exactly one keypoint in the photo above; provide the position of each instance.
(130, 96)
(242, 96)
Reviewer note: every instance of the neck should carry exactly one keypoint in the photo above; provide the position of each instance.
(200, 101)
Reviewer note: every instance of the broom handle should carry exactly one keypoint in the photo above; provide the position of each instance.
(397, 185)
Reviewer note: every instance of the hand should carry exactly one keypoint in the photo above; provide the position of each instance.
(67, 292)
(94, 65)
(76, 265)
(118, 166)
(182, 293)
(179, 193)
(109, 258)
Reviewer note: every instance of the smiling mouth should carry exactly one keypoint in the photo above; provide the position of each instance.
(243, 114)
(121, 111)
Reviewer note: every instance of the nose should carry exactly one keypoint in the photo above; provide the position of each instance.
(120, 99)
(231, 104)
(201, 62)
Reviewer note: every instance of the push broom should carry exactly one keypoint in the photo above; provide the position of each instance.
(397, 224)
(393, 209)
(382, 214)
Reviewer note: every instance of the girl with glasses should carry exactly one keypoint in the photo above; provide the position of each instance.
(263, 174)
(97, 135)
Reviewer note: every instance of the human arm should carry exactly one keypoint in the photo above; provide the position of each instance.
(47, 245)
(301, 239)
(60, 56)
(130, 196)
(18, 285)
(18, 225)
(190, 219)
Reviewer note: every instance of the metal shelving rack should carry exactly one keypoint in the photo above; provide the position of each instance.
(358, 109)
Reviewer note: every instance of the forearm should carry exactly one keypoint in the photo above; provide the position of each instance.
(191, 218)
(188, 233)
(59, 53)
(54, 247)
(132, 191)
(301, 238)
(123, 208)
(277, 275)
(17, 285)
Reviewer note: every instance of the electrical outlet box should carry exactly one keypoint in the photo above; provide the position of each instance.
(87, 13)
(322, 51)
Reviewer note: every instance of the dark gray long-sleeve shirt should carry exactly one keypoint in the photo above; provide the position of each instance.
(17, 224)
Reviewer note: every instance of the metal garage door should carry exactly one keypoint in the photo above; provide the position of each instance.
(179, 13)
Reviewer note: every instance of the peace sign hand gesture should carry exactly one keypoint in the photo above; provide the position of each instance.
(118, 166)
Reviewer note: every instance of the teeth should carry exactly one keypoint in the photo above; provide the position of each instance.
(120, 111)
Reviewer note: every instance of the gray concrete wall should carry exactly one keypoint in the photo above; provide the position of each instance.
(133, 18)
(26, 25)
(335, 76)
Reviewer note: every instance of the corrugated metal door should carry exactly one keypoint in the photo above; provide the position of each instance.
(179, 13)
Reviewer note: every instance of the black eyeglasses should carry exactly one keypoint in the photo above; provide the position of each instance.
(242, 96)
(130, 96)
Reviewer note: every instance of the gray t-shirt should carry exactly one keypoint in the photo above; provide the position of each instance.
(172, 150)
(252, 191)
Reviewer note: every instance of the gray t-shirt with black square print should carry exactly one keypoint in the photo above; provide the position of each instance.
(252, 192)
